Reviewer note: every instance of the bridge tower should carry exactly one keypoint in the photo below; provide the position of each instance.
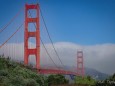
(80, 65)
(27, 34)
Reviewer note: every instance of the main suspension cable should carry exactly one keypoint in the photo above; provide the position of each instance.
(4, 27)
(48, 52)
(44, 45)
(50, 36)
(11, 36)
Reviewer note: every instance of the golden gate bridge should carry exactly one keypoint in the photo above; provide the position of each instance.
(28, 51)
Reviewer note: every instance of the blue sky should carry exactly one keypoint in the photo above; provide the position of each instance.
(89, 23)
(85, 22)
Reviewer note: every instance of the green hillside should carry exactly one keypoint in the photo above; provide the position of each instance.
(16, 74)
(87, 81)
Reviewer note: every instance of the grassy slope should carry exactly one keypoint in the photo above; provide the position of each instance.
(15, 74)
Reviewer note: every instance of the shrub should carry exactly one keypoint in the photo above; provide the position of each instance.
(3, 72)
(57, 80)
(31, 82)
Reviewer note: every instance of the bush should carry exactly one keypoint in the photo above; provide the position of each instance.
(17, 81)
(31, 82)
(57, 80)
(84, 81)
(3, 72)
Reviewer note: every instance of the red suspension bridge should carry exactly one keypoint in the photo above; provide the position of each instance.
(28, 51)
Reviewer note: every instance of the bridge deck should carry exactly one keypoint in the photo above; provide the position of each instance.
(56, 71)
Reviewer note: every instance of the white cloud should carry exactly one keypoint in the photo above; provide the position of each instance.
(100, 57)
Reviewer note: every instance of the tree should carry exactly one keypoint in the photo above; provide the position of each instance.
(57, 79)
(87, 80)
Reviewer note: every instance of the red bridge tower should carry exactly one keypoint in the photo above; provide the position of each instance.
(80, 66)
(28, 34)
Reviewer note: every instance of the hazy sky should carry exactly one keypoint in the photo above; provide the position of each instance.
(73, 24)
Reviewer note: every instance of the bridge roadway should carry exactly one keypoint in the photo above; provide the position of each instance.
(56, 71)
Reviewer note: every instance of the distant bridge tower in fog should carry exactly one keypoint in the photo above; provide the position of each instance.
(80, 65)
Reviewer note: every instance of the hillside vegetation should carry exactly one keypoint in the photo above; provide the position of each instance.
(16, 74)
(87, 81)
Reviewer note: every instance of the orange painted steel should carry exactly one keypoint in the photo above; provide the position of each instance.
(80, 65)
(56, 71)
(28, 34)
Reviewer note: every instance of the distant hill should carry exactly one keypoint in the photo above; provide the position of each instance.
(91, 72)
(96, 74)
